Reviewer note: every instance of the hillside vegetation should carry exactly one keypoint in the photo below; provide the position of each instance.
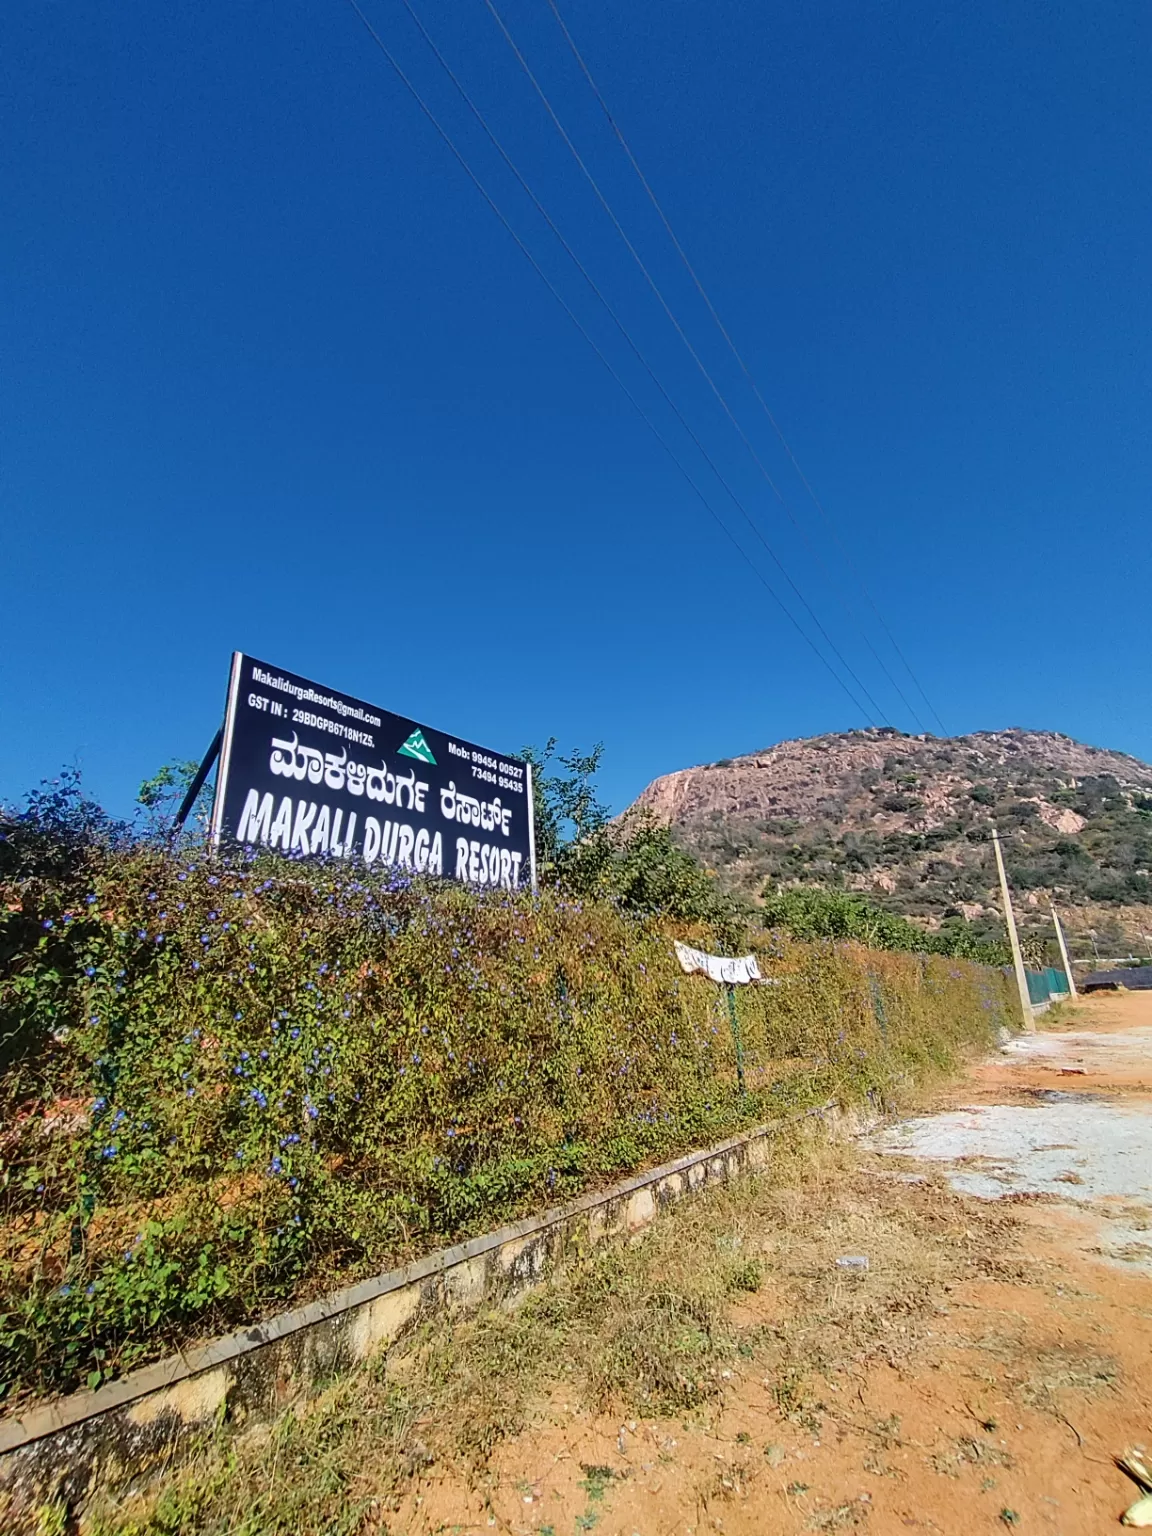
(906, 819)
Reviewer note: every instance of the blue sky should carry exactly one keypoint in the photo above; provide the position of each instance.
(275, 378)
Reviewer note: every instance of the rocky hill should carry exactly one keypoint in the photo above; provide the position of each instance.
(906, 819)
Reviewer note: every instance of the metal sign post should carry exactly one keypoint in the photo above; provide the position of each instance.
(197, 783)
(737, 1037)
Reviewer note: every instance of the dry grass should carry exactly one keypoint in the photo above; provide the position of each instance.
(741, 1282)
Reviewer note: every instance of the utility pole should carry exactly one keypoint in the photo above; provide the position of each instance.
(1013, 938)
(1063, 950)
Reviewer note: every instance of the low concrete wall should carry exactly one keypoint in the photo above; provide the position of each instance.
(130, 1428)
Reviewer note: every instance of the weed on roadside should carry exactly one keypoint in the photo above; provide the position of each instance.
(654, 1329)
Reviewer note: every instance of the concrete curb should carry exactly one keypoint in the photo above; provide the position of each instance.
(129, 1428)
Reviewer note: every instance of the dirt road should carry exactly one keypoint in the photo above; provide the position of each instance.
(725, 1374)
(979, 1375)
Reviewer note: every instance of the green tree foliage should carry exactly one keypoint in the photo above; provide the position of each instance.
(638, 865)
(162, 795)
(566, 804)
(814, 912)
(635, 863)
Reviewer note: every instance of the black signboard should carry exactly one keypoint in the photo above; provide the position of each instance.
(314, 773)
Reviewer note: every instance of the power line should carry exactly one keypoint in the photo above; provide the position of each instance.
(478, 184)
(684, 338)
(680, 251)
(586, 275)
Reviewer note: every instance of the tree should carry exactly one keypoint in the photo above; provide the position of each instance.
(635, 862)
(162, 794)
(566, 806)
(813, 912)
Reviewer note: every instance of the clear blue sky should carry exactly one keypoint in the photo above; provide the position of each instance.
(275, 378)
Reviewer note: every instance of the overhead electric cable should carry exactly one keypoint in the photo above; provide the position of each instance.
(680, 251)
(586, 275)
(650, 280)
(649, 423)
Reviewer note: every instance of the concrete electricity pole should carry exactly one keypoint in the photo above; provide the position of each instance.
(1013, 938)
(1063, 950)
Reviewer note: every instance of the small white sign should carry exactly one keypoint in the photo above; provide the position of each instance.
(732, 973)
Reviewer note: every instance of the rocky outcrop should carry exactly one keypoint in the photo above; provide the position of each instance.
(832, 776)
(906, 819)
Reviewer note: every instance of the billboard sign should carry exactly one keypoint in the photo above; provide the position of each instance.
(314, 773)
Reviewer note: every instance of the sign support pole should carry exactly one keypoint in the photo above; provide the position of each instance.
(197, 783)
(737, 1037)
(530, 787)
(1013, 938)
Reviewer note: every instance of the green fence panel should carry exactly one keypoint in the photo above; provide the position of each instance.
(1037, 986)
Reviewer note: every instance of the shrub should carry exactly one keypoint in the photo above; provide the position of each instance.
(812, 912)
(251, 1080)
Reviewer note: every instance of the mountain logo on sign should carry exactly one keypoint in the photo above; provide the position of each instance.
(418, 748)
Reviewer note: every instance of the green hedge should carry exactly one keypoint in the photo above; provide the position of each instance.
(230, 1087)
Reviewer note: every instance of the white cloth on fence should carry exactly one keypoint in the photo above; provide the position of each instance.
(731, 972)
